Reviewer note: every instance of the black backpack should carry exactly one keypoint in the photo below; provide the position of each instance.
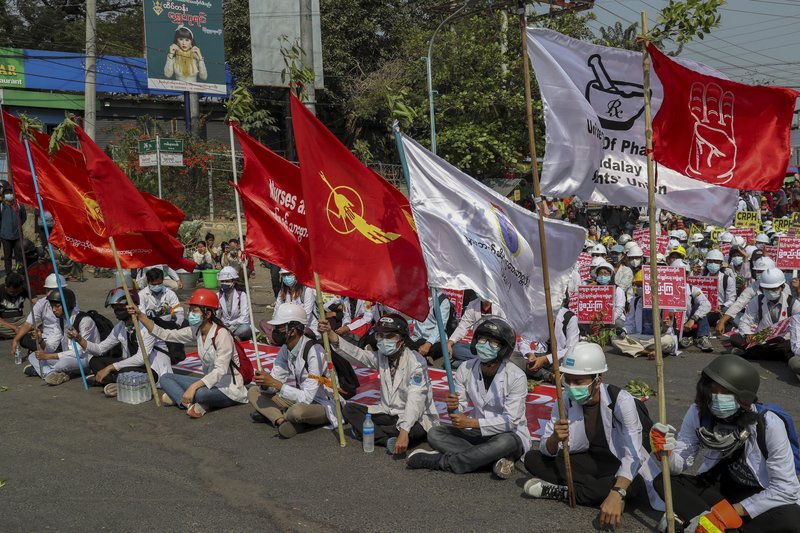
(450, 321)
(345, 375)
(104, 327)
(641, 410)
(175, 350)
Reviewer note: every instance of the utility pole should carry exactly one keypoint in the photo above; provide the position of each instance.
(90, 86)
(307, 44)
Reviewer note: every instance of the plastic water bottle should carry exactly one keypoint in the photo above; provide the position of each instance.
(368, 434)
(121, 387)
(147, 393)
(18, 356)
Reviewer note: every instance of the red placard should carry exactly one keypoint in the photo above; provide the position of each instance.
(710, 287)
(671, 287)
(456, 298)
(596, 304)
(749, 234)
(662, 241)
(725, 248)
(641, 235)
(771, 251)
(584, 265)
(788, 257)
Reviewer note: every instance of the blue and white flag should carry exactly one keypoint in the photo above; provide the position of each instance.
(474, 238)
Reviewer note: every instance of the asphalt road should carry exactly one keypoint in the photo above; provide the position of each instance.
(76, 461)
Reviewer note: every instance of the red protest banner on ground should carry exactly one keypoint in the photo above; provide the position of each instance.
(596, 304)
(748, 234)
(773, 332)
(710, 287)
(671, 287)
(788, 257)
(584, 265)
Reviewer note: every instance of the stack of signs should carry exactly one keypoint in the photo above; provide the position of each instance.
(710, 287)
(788, 257)
(595, 304)
(671, 287)
(642, 237)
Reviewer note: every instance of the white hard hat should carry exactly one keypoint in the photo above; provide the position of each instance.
(673, 234)
(603, 264)
(596, 261)
(714, 255)
(762, 238)
(635, 251)
(227, 273)
(697, 237)
(763, 263)
(725, 237)
(598, 249)
(284, 271)
(585, 359)
(772, 278)
(289, 313)
(51, 283)
(673, 243)
(749, 250)
(739, 241)
(681, 235)
(660, 259)
(588, 245)
(624, 239)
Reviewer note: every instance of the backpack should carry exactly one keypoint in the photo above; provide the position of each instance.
(104, 327)
(789, 306)
(345, 375)
(175, 350)
(567, 317)
(641, 410)
(791, 431)
(245, 366)
(451, 323)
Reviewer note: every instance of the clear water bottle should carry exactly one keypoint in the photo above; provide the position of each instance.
(368, 434)
(147, 395)
(18, 356)
(121, 387)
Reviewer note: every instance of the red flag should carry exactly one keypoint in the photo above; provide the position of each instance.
(272, 196)
(79, 229)
(124, 210)
(362, 236)
(21, 178)
(719, 131)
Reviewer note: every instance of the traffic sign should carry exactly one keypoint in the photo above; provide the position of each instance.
(145, 147)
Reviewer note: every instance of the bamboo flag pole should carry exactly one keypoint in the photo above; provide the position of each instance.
(651, 205)
(241, 240)
(537, 192)
(326, 343)
(135, 319)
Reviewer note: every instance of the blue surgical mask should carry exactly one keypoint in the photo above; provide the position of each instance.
(579, 393)
(486, 352)
(772, 295)
(723, 405)
(289, 280)
(737, 261)
(713, 267)
(155, 289)
(387, 346)
(603, 280)
(194, 319)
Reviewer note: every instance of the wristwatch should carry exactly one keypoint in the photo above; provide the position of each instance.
(622, 492)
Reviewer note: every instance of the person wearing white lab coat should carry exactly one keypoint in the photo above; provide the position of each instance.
(637, 339)
(41, 316)
(609, 461)
(726, 286)
(234, 307)
(406, 410)
(474, 311)
(293, 292)
(749, 292)
(603, 274)
(496, 431)
(305, 402)
(747, 479)
(539, 366)
(171, 278)
(158, 300)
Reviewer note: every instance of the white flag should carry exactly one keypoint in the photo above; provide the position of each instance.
(593, 100)
(474, 238)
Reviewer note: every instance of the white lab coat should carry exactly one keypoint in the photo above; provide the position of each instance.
(169, 273)
(308, 300)
(159, 361)
(65, 348)
(726, 296)
(563, 342)
(501, 409)
(703, 305)
(42, 313)
(776, 474)
(240, 309)
(409, 395)
(471, 315)
(364, 314)
(749, 292)
(749, 324)
(164, 304)
(623, 432)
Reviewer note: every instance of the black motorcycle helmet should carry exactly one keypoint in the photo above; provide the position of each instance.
(69, 298)
(496, 328)
(393, 323)
(735, 374)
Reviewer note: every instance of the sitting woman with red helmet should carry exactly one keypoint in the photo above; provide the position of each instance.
(222, 384)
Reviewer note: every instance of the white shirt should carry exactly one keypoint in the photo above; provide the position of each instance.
(472, 314)
(42, 313)
(141, 277)
(159, 361)
(87, 330)
(240, 308)
(164, 304)
(308, 300)
(749, 323)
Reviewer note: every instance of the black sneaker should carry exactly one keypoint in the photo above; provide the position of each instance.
(539, 488)
(424, 459)
(30, 371)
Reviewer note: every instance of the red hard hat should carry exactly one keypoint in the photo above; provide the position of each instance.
(204, 298)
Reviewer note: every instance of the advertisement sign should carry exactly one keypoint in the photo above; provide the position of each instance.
(671, 287)
(746, 219)
(12, 70)
(710, 287)
(185, 46)
(788, 253)
(596, 304)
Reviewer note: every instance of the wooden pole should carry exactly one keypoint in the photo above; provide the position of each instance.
(331, 371)
(651, 205)
(135, 319)
(537, 192)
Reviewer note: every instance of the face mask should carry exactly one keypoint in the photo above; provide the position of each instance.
(486, 352)
(8, 197)
(674, 262)
(603, 280)
(703, 251)
(121, 314)
(289, 281)
(757, 274)
(713, 267)
(226, 287)
(723, 405)
(579, 393)
(279, 337)
(615, 258)
(194, 319)
(639, 291)
(737, 261)
(761, 246)
(387, 347)
(636, 263)
(155, 289)
(772, 296)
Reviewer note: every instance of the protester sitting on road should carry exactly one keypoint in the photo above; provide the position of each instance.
(746, 481)
(306, 402)
(234, 307)
(474, 311)
(635, 256)
(222, 384)
(158, 300)
(738, 268)
(12, 301)
(637, 339)
(425, 339)
(775, 304)
(362, 315)
(202, 256)
(170, 277)
(610, 464)
(496, 431)
(295, 293)
(106, 367)
(406, 410)
(568, 334)
(750, 292)
(603, 275)
(57, 366)
(623, 275)
(41, 327)
(696, 326)
(726, 286)
(214, 251)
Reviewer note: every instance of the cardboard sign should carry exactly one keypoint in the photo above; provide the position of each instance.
(746, 219)
(671, 287)
(788, 257)
(776, 331)
(748, 234)
(596, 304)
(710, 287)
(584, 265)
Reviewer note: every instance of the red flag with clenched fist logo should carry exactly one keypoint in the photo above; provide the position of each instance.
(361, 232)
(719, 131)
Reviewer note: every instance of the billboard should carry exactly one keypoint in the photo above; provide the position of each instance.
(185, 45)
(12, 71)
(273, 23)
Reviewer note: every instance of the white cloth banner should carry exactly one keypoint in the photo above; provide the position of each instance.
(474, 238)
(593, 100)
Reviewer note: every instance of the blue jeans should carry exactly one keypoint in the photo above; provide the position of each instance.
(176, 384)
(703, 327)
(461, 353)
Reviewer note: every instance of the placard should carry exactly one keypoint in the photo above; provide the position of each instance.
(584, 265)
(746, 219)
(642, 238)
(788, 257)
(772, 332)
(710, 287)
(671, 287)
(748, 234)
(596, 304)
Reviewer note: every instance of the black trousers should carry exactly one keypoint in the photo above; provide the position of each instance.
(28, 343)
(98, 363)
(11, 247)
(694, 495)
(434, 353)
(593, 479)
(775, 351)
(385, 425)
